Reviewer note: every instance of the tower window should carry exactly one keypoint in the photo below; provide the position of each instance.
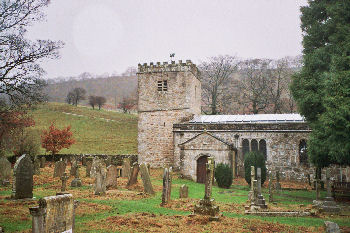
(162, 85)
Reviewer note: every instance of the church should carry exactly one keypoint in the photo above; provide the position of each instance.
(172, 131)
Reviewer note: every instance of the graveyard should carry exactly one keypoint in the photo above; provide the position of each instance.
(131, 207)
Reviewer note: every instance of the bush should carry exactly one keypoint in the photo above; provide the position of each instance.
(28, 143)
(255, 159)
(223, 175)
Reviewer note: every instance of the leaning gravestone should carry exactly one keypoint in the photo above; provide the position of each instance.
(183, 191)
(111, 180)
(42, 162)
(126, 168)
(147, 185)
(60, 168)
(206, 205)
(5, 171)
(23, 178)
(134, 173)
(54, 214)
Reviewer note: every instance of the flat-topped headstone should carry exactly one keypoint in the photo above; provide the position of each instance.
(183, 191)
(88, 168)
(23, 178)
(134, 173)
(5, 171)
(42, 162)
(54, 214)
(147, 185)
(111, 180)
(126, 168)
(60, 168)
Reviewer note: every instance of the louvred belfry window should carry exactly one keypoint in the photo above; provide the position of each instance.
(162, 85)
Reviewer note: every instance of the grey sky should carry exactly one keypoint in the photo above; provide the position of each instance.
(109, 35)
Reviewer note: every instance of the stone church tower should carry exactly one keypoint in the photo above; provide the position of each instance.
(167, 94)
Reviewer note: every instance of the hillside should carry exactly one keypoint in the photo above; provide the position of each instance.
(113, 88)
(95, 132)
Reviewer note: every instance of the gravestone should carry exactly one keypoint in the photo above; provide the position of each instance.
(206, 206)
(36, 166)
(88, 168)
(328, 205)
(111, 180)
(54, 214)
(60, 168)
(331, 227)
(252, 178)
(76, 182)
(42, 162)
(270, 187)
(278, 184)
(5, 171)
(260, 201)
(147, 185)
(183, 191)
(23, 178)
(126, 168)
(167, 180)
(108, 161)
(134, 173)
(317, 189)
(73, 168)
(98, 171)
(64, 179)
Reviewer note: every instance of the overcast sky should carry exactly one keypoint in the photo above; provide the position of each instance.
(107, 36)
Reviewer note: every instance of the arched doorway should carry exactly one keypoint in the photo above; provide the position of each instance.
(201, 168)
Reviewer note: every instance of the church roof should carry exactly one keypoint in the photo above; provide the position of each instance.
(257, 118)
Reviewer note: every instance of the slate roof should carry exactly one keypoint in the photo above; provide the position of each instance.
(257, 118)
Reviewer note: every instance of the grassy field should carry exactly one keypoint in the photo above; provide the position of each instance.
(95, 131)
(130, 210)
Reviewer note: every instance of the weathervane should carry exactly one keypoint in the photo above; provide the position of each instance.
(172, 55)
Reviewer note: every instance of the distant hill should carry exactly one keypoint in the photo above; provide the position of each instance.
(114, 88)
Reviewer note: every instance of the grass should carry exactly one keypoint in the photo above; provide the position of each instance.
(93, 135)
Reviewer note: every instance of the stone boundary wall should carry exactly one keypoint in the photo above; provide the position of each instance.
(116, 159)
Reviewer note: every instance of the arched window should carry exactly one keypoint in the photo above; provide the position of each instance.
(262, 148)
(254, 143)
(245, 145)
(303, 158)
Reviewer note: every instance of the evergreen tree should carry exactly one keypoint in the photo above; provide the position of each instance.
(322, 88)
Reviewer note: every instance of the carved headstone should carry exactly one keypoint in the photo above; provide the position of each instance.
(111, 180)
(126, 168)
(134, 173)
(206, 206)
(167, 180)
(23, 178)
(76, 182)
(36, 166)
(147, 185)
(5, 171)
(98, 171)
(88, 168)
(42, 162)
(54, 214)
(183, 191)
(60, 168)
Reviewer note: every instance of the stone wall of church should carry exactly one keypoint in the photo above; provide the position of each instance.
(282, 144)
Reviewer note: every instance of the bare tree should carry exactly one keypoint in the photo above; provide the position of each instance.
(78, 94)
(215, 75)
(127, 104)
(255, 84)
(92, 101)
(20, 71)
(100, 101)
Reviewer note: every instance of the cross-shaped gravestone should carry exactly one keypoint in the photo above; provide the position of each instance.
(209, 178)
(64, 179)
(252, 177)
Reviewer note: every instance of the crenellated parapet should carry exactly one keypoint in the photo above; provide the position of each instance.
(168, 67)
